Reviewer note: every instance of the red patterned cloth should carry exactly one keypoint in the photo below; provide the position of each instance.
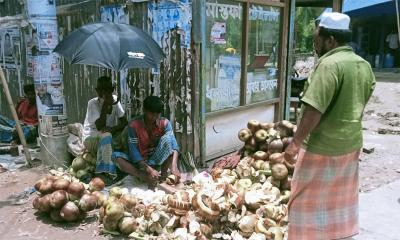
(27, 113)
(324, 201)
(147, 141)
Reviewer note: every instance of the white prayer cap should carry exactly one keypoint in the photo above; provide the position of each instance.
(335, 20)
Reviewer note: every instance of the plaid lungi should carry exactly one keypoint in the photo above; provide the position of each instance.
(101, 148)
(324, 201)
(164, 149)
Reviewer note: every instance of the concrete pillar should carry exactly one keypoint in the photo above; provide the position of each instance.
(47, 75)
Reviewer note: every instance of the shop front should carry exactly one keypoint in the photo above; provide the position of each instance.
(243, 68)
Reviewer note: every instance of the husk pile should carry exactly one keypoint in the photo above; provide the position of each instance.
(64, 198)
(248, 202)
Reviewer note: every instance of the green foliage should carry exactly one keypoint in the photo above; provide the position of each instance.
(304, 28)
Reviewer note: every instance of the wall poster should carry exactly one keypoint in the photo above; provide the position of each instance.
(218, 31)
(165, 15)
(114, 13)
(10, 48)
(45, 31)
(41, 8)
(50, 98)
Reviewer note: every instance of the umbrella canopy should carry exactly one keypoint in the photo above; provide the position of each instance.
(110, 45)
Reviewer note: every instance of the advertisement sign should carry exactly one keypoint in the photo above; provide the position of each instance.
(53, 125)
(227, 90)
(41, 8)
(115, 14)
(10, 48)
(47, 34)
(218, 31)
(48, 69)
(49, 98)
(165, 16)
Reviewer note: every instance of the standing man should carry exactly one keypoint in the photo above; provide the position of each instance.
(324, 201)
(393, 45)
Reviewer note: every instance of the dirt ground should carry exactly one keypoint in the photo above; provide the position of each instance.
(382, 134)
(379, 167)
(21, 221)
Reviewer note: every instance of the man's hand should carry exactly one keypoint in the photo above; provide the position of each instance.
(291, 152)
(107, 104)
(176, 173)
(153, 174)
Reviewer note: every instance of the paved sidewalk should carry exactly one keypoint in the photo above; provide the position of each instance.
(380, 213)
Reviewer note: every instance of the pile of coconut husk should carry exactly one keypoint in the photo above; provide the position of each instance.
(82, 167)
(64, 198)
(247, 202)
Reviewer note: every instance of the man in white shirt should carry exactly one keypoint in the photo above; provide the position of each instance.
(393, 43)
(105, 118)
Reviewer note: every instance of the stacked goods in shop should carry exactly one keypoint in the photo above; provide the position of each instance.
(65, 198)
(247, 202)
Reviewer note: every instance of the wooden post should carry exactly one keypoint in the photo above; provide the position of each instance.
(15, 116)
(398, 17)
(245, 49)
(337, 6)
(199, 86)
(290, 55)
(283, 53)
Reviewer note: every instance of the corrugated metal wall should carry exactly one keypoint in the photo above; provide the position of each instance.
(12, 8)
(173, 83)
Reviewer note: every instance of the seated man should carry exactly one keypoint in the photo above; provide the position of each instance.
(151, 145)
(27, 114)
(105, 119)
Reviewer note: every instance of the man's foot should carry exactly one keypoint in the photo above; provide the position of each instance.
(107, 179)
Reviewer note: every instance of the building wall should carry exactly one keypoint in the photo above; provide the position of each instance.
(10, 8)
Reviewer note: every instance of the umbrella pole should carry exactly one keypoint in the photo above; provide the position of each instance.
(15, 116)
(398, 18)
(117, 77)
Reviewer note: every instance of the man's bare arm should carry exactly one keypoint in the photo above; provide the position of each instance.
(308, 122)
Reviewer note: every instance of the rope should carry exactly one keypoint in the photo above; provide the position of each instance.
(50, 153)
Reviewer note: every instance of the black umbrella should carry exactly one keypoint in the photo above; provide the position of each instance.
(111, 45)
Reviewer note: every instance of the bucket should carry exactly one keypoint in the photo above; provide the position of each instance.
(54, 151)
(389, 61)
